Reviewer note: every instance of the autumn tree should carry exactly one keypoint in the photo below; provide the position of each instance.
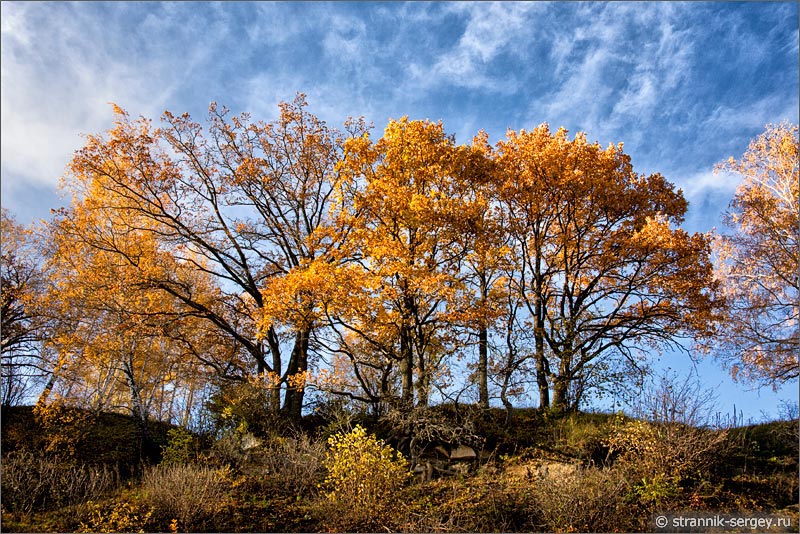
(20, 325)
(118, 342)
(243, 202)
(758, 261)
(485, 265)
(287, 244)
(604, 270)
(405, 249)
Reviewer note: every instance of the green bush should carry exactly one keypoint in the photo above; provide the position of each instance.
(581, 436)
(181, 447)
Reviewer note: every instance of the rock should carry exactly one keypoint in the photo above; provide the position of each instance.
(462, 452)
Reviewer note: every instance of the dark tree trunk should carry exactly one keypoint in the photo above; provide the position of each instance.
(275, 351)
(406, 370)
(483, 365)
(561, 394)
(541, 382)
(298, 365)
(147, 448)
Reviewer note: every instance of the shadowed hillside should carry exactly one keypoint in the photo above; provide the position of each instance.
(539, 472)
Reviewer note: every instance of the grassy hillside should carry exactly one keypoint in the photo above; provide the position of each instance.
(534, 472)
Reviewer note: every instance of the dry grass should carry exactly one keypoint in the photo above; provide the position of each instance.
(192, 494)
(32, 482)
(291, 466)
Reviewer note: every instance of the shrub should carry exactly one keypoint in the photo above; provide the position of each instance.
(658, 489)
(364, 477)
(116, 517)
(180, 448)
(189, 493)
(65, 428)
(586, 500)
(245, 407)
(292, 466)
(581, 436)
(667, 450)
(480, 503)
(228, 451)
(37, 482)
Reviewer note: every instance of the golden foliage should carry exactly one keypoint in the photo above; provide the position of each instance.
(121, 517)
(758, 262)
(603, 267)
(363, 480)
(244, 239)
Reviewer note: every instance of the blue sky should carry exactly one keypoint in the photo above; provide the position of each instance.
(683, 84)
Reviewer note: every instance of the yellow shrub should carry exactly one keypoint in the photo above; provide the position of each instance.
(122, 517)
(65, 428)
(364, 475)
(672, 450)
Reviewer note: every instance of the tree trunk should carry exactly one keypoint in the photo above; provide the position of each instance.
(48, 388)
(406, 369)
(561, 394)
(483, 348)
(298, 365)
(423, 385)
(147, 448)
(483, 365)
(275, 350)
(541, 381)
(504, 398)
(539, 311)
(542, 365)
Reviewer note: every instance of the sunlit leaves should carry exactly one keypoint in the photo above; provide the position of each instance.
(406, 246)
(376, 263)
(602, 271)
(21, 326)
(758, 262)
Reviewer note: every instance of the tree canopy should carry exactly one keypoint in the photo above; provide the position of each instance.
(758, 261)
(297, 257)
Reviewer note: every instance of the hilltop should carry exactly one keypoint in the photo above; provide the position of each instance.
(536, 471)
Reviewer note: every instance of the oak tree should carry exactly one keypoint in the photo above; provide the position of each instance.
(243, 202)
(405, 249)
(604, 269)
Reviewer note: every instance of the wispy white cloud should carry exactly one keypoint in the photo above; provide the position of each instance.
(57, 89)
(617, 64)
(659, 67)
(491, 29)
(708, 183)
(668, 79)
(709, 195)
(751, 115)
